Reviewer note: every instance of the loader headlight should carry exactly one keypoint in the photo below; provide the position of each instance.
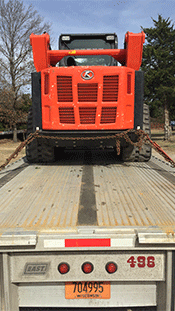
(108, 38)
(65, 38)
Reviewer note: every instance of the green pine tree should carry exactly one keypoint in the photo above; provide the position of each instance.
(159, 67)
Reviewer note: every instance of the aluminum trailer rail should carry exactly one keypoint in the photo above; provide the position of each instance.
(87, 208)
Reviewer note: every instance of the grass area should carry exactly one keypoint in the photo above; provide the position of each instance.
(158, 137)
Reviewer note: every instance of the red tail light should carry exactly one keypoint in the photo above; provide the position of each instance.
(87, 267)
(111, 267)
(63, 268)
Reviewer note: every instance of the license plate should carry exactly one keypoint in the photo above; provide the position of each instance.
(87, 290)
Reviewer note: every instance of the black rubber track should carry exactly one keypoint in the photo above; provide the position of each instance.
(39, 150)
(130, 153)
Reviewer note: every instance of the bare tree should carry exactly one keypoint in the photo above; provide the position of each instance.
(8, 115)
(16, 24)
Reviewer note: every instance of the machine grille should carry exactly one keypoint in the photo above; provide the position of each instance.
(108, 115)
(87, 92)
(110, 88)
(64, 89)
(67, 115)
(87, 115)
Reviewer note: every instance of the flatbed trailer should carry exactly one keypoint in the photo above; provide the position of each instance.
(87, 208)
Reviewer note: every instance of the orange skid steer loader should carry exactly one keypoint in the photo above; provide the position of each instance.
(82, 97)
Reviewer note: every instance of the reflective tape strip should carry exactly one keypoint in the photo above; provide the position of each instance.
(59, 243)
(54, 243)
(68, 243)
(123, 242)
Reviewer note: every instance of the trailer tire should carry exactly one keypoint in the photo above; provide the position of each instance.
(39, 150)
(130, 153)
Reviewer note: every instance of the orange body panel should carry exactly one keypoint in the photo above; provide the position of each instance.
(104, 102)
(40, 46)
(134, 47)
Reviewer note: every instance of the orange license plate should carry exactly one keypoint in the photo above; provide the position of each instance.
(87, 290)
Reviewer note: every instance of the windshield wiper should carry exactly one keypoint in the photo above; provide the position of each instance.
(66, 45)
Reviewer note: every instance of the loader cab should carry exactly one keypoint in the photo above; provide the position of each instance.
(88, 41)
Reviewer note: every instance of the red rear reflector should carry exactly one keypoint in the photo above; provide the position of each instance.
(111, 267)
(87, 267)
(63, 268)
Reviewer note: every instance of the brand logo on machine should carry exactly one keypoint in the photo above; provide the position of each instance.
(36, 268)
(87, 74)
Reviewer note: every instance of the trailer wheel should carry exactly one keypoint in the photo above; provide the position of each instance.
(130, 153)
(39, 150)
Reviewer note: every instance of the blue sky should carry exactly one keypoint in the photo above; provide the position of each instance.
(98, 16)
